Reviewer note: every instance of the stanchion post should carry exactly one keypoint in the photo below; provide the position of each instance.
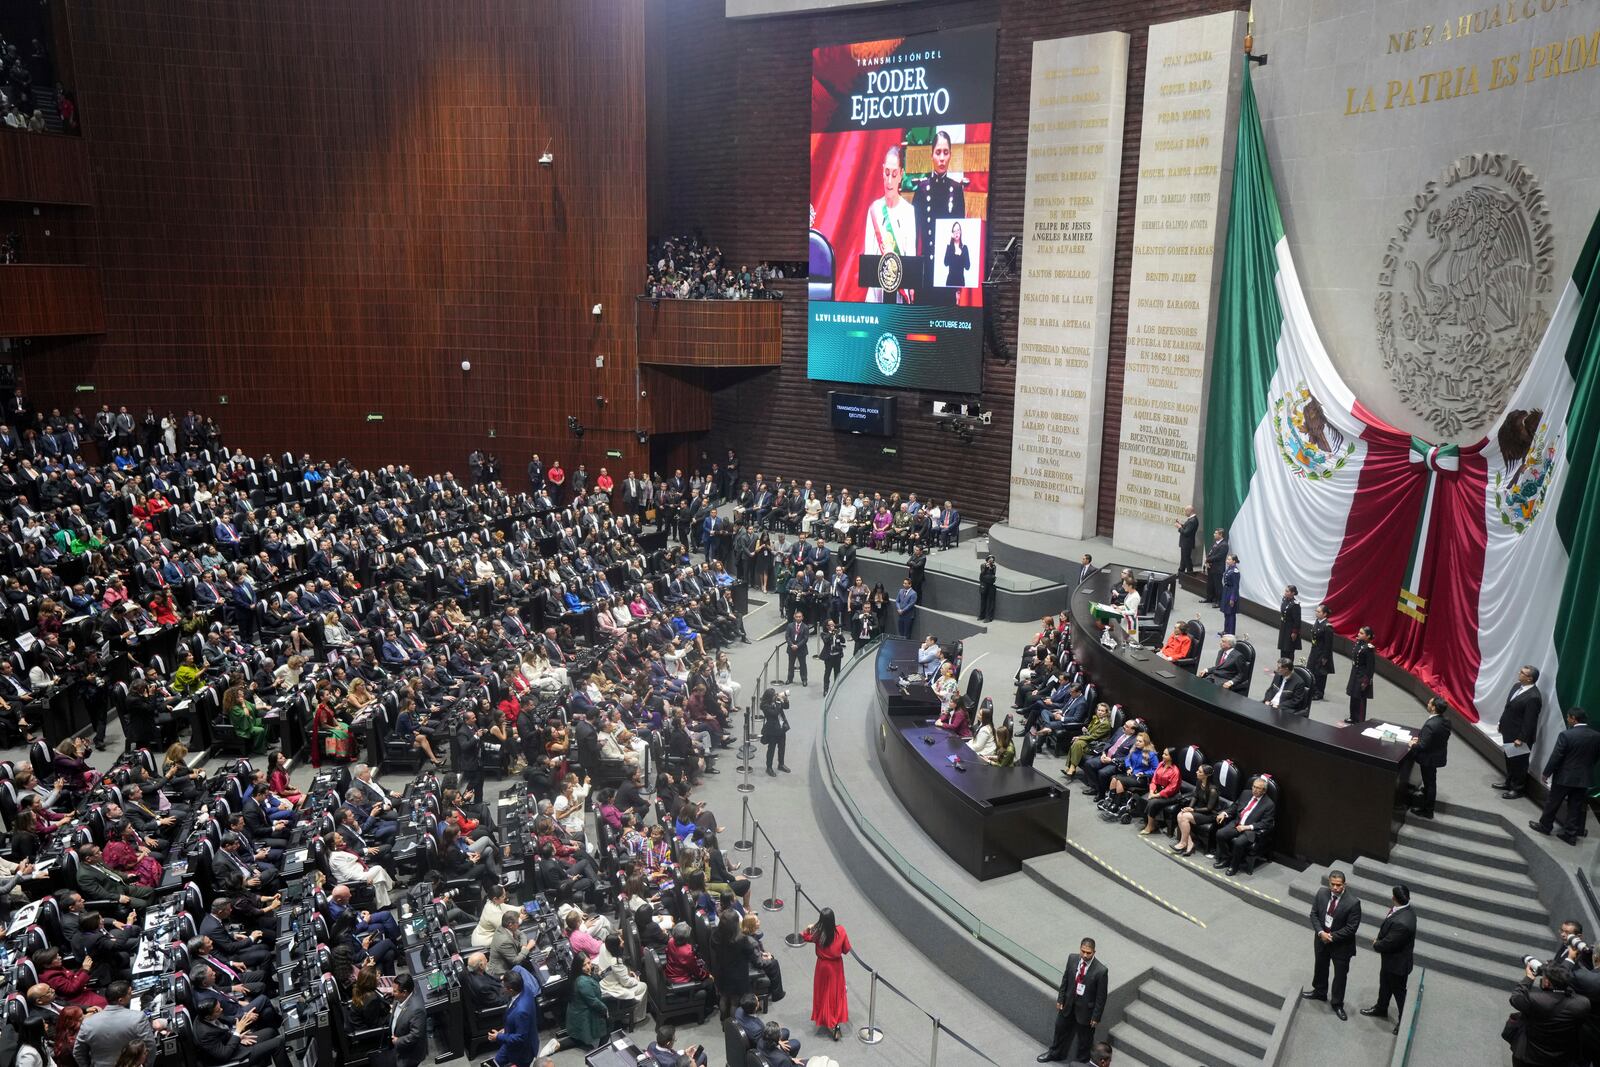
(933, 1052)
(753, 871)
(794, 940)
(746, 786)
(748, 750)
(774, 902)
(744, 844)
(870, 1034)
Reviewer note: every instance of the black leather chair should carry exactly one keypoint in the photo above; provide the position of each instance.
(735, 1044)
(974, 687)
(355, 1046)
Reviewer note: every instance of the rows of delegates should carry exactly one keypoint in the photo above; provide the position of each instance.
(260, 608)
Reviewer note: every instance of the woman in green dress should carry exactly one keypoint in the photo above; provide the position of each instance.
(242, 716)
(1005, 753)
(586, 1009)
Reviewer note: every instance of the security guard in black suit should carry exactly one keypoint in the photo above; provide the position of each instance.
(938, 196)
(1396, 936)
(1569, 772)
(1080, 1004)
(796, 638)
(1335, 918)
(1429, 752)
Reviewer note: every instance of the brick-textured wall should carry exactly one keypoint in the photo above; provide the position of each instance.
(729, 118)
(318, 210)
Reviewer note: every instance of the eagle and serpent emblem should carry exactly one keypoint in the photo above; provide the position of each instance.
(1463, 292)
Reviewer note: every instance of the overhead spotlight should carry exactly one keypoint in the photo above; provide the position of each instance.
(599, 401)
(466, 364)
(595, 311)
(547, 157)
(574, 425)
(642, 435)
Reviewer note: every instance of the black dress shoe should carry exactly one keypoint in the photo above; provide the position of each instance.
(771, 773)
(782, 768)
(1422, 813)
(1513, 794)
(1501, 785)
(1312, 994)
(1571, 839)
(1231, 871)
(1045, 1057)
(1374, 1012)
(1219, 865)
(1533, 824)
(1339, 1011)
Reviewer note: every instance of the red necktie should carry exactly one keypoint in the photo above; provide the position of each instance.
(1245, 814)
(1083, 967)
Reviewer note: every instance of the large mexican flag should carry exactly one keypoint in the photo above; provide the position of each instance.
(1455, 555)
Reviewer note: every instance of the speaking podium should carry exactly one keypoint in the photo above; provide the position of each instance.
(915, 272)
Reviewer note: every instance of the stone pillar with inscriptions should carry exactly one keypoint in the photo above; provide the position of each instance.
(1064, 316)
(1191, 91)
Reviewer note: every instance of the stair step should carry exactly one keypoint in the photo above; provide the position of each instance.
(1505, 949)
(1257, 1012)
(1423, 836)
(1183, 1041)
(1473, 871)
(1465, 966)
(1197, 1017)
(1469, 896)
(1464, 828)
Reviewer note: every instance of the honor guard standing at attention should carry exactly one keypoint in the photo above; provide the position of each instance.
(938, 196)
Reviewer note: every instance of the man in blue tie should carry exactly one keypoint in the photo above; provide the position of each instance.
(905, 602)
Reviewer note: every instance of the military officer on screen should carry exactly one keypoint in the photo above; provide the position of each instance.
(938, 196)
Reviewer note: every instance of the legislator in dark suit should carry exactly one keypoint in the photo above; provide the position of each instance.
(1396, 936)
(1429, 750)
(1570, 772)
(1080, 1002)
(1216, 560)
(1246, 821)
(796, 637)
(1188, 532)
(1289, 627)
(1335, 918)
(1359, 687)
(410, 1029)
(1320, 659)
(1228, 669)
(1288, 692)
(1519, 722)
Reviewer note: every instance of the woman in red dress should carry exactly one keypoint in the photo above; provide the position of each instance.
(830, 1007)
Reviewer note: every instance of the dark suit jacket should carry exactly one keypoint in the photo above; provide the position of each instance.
(1346, 921)
(1433, 740)
(1520, 719)
(1551, 1024)
(1217, 555)
(217, 1044)
(484, 991)
(1396, 935)
(411, 1031)
(1263, 817)
(1092, 1005)
(1187, 532)
(1296, 694)
(1230, 665)
(1572, 761)
(797, 635)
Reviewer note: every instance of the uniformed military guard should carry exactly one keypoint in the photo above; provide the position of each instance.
(938, 196)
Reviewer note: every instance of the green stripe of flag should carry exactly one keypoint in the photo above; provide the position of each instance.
(1578, 512)
(1249, 322)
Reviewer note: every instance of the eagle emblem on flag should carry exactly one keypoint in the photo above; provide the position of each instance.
(1312, 446)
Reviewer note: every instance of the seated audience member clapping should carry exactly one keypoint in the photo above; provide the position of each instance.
(509, 948)
(683, 965)
(221, 1040)
(71, 986)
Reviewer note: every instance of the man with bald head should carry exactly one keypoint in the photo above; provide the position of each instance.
(484, 990)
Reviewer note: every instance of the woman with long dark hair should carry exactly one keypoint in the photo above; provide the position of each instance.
(830, 1005)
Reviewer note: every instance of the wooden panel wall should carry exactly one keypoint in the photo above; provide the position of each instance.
(729, 127)
(319, 210)
(48, 299)
(43, 168)
(680, 400)
(711, 333)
